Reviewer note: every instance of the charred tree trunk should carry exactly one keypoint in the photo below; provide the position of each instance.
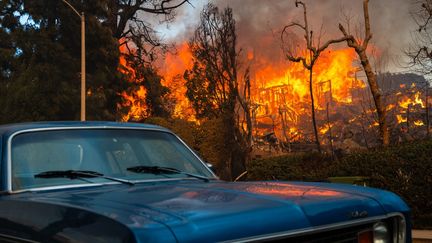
(377, 98)
(330, 131)
(360, 48)
(317, 142)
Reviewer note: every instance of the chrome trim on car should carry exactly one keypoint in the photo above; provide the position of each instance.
(71, 186)
(305, 231)
(14, 238)
(9, 150)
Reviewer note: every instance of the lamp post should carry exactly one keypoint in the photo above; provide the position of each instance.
(83, 62)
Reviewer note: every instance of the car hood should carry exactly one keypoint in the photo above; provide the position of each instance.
(216, 211)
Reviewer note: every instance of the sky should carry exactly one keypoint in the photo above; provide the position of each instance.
(260, 21)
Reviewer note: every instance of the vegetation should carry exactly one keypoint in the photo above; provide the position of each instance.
(213, 82)
(404, 169)
(40, 57)
(39, 80)
(420, 51)
(207, 139)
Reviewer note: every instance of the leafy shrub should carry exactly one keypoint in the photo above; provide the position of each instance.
(302, 166)
(404, 169)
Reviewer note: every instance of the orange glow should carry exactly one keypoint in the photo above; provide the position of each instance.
(172, 69)
(390, 107)
(418, 123)
(136, 104)
(400, 119)
(135, 101)
(288, 190)
(250, 55)
(283, 88)
(406, 101)
(374, 124)
(325, 128)
(280, 101)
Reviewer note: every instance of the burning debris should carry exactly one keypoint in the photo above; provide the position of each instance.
(349, 114)
(281, 104)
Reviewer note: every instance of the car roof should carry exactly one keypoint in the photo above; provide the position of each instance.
(8, 129)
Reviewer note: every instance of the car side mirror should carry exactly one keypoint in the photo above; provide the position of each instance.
(210, 166)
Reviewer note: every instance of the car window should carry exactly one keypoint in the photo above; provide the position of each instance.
(107, 151)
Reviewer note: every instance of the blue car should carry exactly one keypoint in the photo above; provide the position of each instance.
(125, 182)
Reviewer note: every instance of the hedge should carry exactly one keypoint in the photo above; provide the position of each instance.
(404, 169)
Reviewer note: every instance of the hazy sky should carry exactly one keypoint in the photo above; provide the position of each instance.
(258, 19)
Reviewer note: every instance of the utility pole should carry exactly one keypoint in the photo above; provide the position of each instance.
(83, 61)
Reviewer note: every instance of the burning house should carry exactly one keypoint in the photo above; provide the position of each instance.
(281, 107)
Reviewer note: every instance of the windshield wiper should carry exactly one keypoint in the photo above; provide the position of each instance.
(164, 170)
(79, 174)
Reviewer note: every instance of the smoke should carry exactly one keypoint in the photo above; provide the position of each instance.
(259, 23)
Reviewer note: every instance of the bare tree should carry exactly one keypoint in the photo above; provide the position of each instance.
(129, 25)
(360, 46)
(245, 105)
(420, 51)
(307, 57)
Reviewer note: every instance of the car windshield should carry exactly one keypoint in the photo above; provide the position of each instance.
(109, 152)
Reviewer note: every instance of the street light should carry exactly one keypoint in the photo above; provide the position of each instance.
(83, 72)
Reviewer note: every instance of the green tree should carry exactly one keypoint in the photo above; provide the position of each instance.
(44, 82)
(40, 56)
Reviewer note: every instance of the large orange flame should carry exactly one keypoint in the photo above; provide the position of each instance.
(284, 88)
(280, 98)
(172, 69)
(134, 101)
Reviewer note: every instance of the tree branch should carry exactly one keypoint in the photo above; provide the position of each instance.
(368, 34)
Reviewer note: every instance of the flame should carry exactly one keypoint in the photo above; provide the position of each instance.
(406, 101)
(172, 69)
(285, 86)
(374, 124)
(325, 128)
(134, 101)
(418, 123)
(352, 120)
(390, 107)
(280, 93)
(136, 104)
(401, 119)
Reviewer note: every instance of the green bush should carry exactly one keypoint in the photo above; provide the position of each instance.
(301, 167)
(404, 169)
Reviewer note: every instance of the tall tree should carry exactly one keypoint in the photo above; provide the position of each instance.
(213, 82)
(129, 24)
(44, 82)
(307, 57)
(360, 45)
